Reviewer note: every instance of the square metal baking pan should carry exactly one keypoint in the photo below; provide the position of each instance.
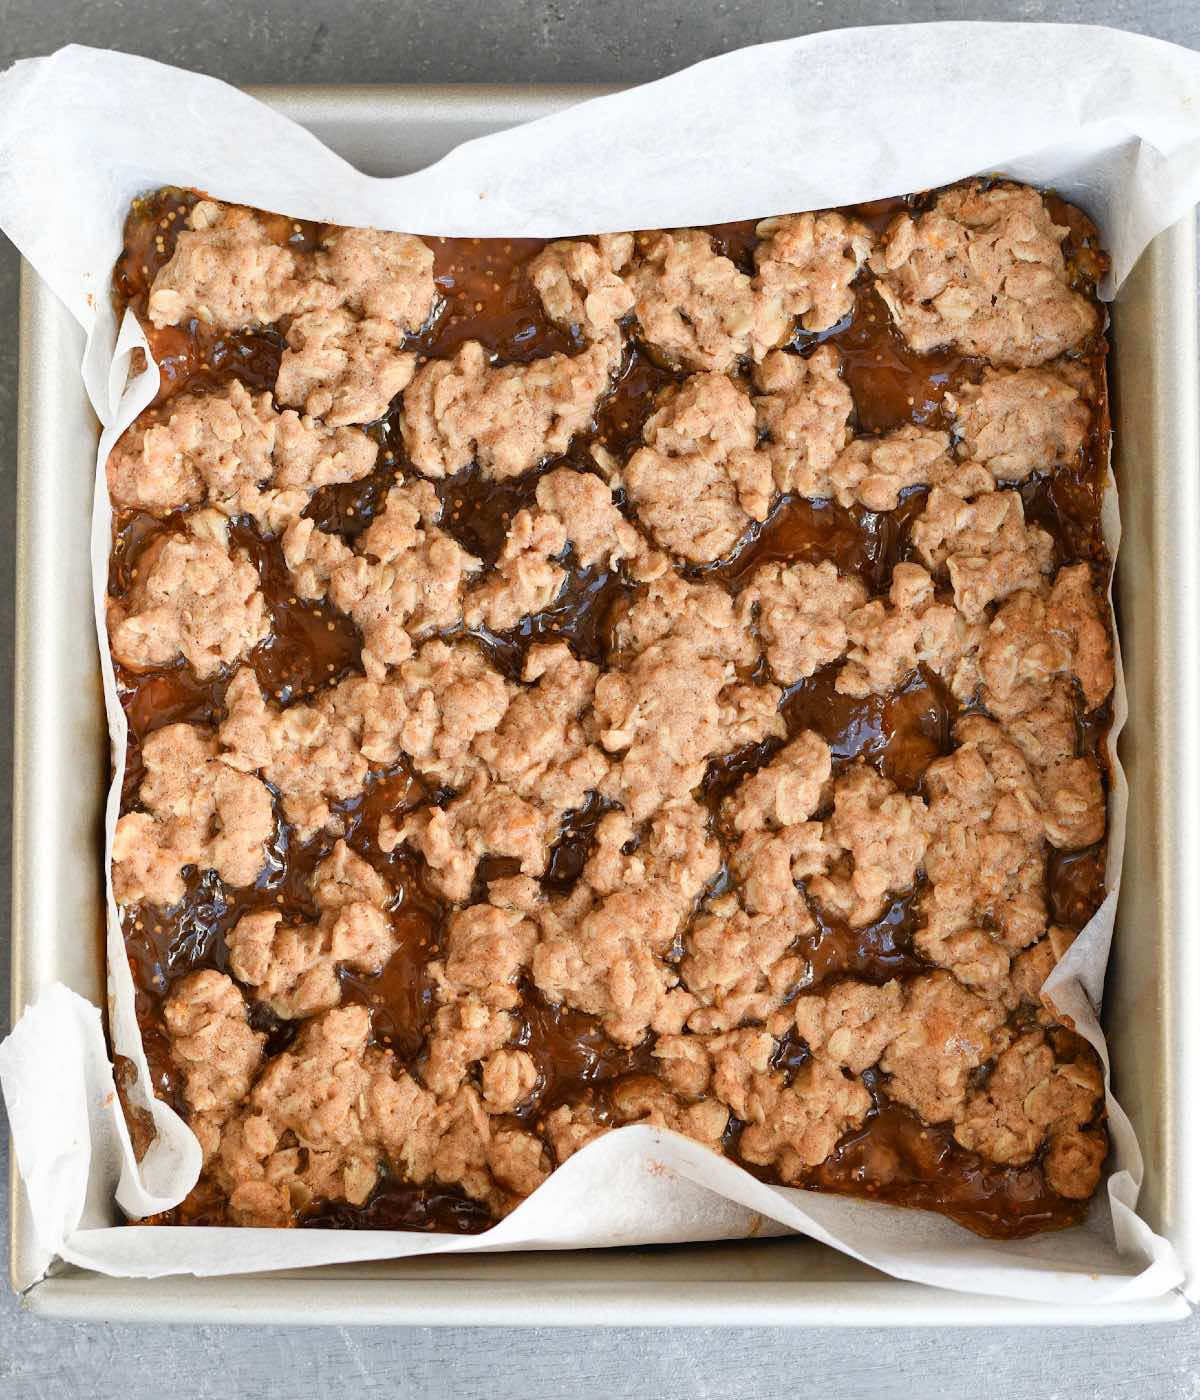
(1154, 981)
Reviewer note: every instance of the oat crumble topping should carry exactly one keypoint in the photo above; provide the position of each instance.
(572, 684)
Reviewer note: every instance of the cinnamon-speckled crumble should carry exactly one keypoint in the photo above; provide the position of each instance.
(657, 678)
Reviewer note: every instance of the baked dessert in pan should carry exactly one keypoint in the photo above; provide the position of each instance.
(659, 677)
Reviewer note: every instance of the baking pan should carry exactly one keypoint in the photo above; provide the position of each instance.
(59, 780)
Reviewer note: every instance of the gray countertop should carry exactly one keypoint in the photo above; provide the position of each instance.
(381, 41)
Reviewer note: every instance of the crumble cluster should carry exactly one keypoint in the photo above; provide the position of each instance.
(689, 923)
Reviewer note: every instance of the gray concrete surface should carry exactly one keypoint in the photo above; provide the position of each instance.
(378, 41)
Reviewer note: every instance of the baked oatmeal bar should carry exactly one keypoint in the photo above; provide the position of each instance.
(655, 678)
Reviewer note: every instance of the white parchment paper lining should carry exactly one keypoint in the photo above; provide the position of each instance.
(1110, 119)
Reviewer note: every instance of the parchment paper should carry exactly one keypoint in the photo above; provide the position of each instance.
(1110, 119)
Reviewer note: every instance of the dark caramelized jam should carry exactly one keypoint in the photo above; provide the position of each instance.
(634, 398)
(877, 953)
(192, 357)
(489, 298)
(401, 995)
(347, 508)
(891, 384)
(485, 295)
(572, 1053)
(1076, 885)
(150, 233)
(570, 852)
(312, 644)
(859, 541)
(398, 1205)
(579, 616)
(478, 513)
(894, 1157)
